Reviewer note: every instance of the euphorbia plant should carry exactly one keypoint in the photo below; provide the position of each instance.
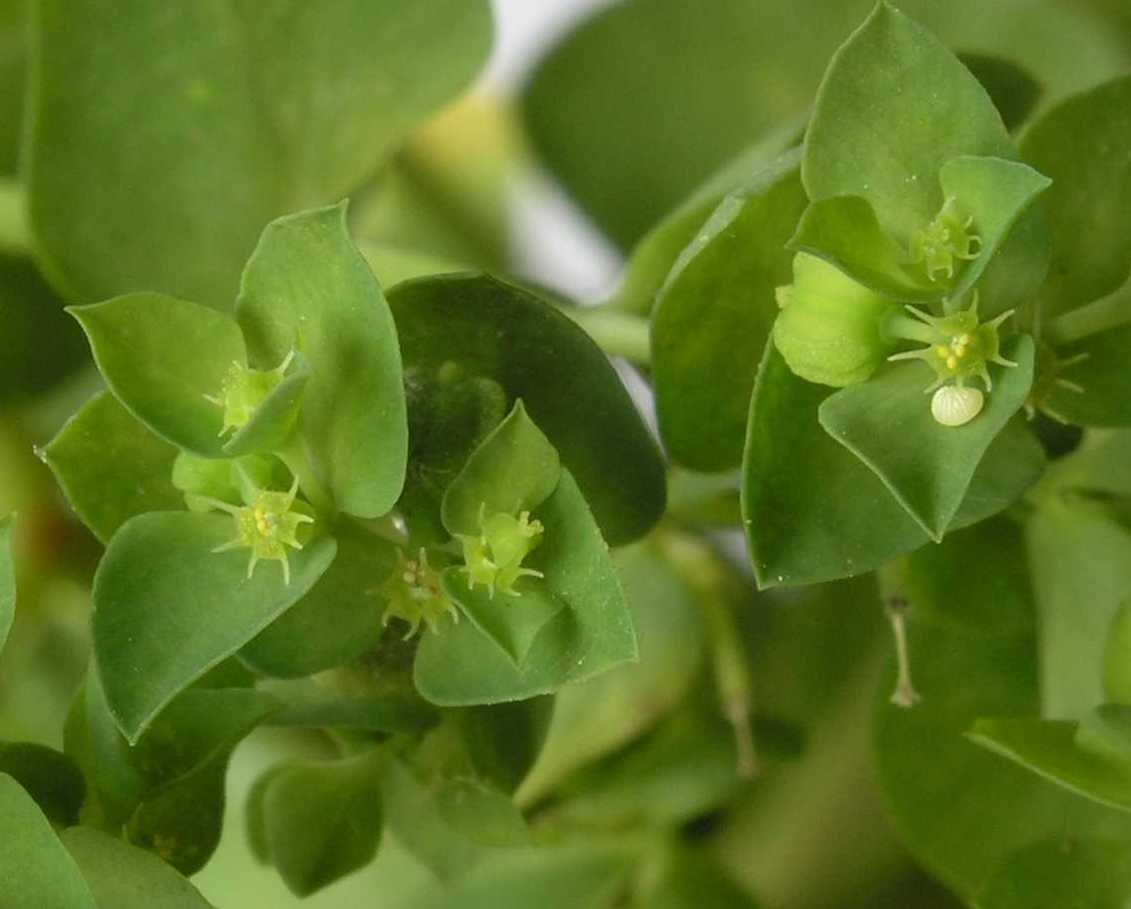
(498, 617)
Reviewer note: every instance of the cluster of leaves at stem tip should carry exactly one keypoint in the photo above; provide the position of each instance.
(388, 512)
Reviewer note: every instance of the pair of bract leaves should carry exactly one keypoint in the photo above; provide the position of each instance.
(791, 485)
(307, 289)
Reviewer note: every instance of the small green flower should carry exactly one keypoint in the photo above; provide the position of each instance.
(244, 389)
(947, 238)
(267, 526)
(829, 329)
(494, 557)
(959, 347)
(414, 595)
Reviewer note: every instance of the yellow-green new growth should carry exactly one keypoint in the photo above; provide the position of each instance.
(415, 595)
(244, 389)
(267, 527)
(494, 557)
(945, 239)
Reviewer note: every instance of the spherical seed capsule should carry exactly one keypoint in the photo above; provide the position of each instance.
(954, 406)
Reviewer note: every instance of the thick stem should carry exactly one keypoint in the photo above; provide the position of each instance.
(904, 327)
(701, 569)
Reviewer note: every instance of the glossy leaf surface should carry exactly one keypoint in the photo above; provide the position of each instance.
(498, 331)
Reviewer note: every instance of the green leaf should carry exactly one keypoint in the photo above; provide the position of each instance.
(51, 778)
(161, 357)
(514, 469)
(238, 114)
(992, 191)
(972, 644)
(1055, 873)
(844, 230)
(714, 313)
(501, 332)
(1081, 574)
(192, 737)
(512, 621)
(1014, 90)
(889, 146)
(592, 633)
(928, 467)
(562, 877)
(1097, 393)
(439, 839)
(483, 813)
(307, 287)
(182, 823)
(813, 511)
(604, 713)
(167, 608)
(124, 877)
(322, 820)
(34, 866)
(274, 420)
(1050, 749)
(655, 253)
(502, 742)
(7, 578)
(1083, 145)
(337, 621)
(111, 467)
(998, 195)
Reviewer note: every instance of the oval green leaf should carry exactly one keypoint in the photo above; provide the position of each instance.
(34, 867)
(162, 357)
(714, 313)
(237, 115)
(125, 877)
(571, 391)
(867, 139)
(307, 288)
(167, 608)
(321, 821)
(1083, 145)
(111, 467)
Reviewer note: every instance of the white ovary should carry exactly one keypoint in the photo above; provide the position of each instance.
(954, 406)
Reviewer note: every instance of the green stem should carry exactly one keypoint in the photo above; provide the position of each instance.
(617, 333)
(701, 569)
(898, 325)
(1111, 311)
(15, 233)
